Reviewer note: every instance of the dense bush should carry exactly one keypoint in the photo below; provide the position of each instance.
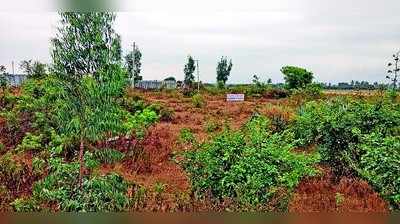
(296, 77)
(309, 92)
(276, 93)
(211, 126)
(165, 113)
(198, 101)
(339, 124)
(380, 165)
(249, 165)
(31, 142)
(59, 189)
(11, 170)
(280, 116)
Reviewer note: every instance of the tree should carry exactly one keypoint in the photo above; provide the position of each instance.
(133, 64)
(36, 70)
(223, 70)
(170, 78)
(189, 69)
(85, 44)
(393, 70)
(296, 77)
(86, 56)
(3, 80)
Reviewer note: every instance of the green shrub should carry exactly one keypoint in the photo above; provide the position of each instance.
(186, 136)
(12, 171)
(109, 156)
(98, 193)
(249, 165)
(338, 125)
(31, 142)
(211, 126)
(296, 77)
(25, 205)
(2, 148)
(38, 166)
(198, 101)
(165, 113)
(90, 161)
(380, 165)
(309, 92)
(140, 121)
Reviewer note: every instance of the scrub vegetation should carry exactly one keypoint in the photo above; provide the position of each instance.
(75, 136)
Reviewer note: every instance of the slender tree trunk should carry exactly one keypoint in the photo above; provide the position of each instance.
(81, 149)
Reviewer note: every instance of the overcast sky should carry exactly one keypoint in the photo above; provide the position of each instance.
(338, 40)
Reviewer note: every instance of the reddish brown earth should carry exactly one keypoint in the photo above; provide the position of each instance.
(348, 195)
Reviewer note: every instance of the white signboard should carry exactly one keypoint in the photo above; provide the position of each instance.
(235, 97)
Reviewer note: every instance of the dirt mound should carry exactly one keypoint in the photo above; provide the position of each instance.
(322, 194)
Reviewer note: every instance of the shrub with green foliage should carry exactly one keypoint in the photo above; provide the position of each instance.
(198, 101)
(338, 126)
(12, 171)
(138, 123)
(2, 148)
(211, 126)
(249, 165)
(296, 77)
(309, 92)
(380, 165)
(186, 136)
(165, 113)
(98, 193)
(31, 142)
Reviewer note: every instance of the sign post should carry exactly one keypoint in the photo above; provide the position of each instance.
(235, 97)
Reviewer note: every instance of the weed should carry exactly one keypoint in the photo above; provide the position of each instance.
(186, 136)
(211, 126)
(2, 148)
(198, 101)
(339, 199)
(109, 156)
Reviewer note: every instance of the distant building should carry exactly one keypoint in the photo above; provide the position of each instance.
(16, 79)
(146, 84)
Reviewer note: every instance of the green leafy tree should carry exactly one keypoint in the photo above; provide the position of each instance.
(3, 82)
(85, 44)
(189, 69)
(133, 64)
(34, 70)
(296, 77)
(86, 109)
(89, 78)
(170, 78)
(224, 70)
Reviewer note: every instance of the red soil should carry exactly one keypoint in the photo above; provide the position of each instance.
(321, 194)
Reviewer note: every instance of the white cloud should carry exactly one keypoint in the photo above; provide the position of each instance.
(338, 40)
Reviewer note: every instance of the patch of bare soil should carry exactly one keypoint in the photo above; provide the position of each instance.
(322, 194)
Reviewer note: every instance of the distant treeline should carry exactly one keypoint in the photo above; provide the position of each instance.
(353, 85)
(364, 85)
